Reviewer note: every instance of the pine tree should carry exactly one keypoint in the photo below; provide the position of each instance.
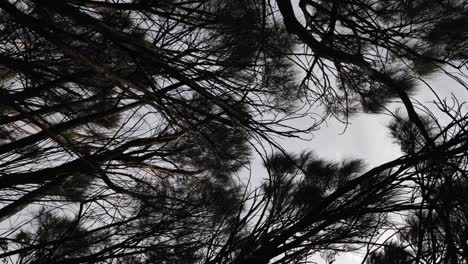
(128, 127)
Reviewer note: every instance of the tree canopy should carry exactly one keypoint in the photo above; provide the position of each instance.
(128, 130)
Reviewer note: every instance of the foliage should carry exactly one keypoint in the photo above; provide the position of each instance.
(128, 129)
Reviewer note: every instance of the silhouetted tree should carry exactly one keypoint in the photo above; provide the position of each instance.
(128, 127)
(392, 253)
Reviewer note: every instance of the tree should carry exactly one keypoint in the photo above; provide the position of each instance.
(128, 125)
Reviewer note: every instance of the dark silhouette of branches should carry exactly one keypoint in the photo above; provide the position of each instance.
(127, 129)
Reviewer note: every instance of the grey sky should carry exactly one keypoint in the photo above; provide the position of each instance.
(366, 137)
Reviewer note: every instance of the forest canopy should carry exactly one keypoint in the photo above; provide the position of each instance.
(128, 129)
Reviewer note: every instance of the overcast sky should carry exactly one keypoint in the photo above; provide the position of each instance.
(366, 137)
